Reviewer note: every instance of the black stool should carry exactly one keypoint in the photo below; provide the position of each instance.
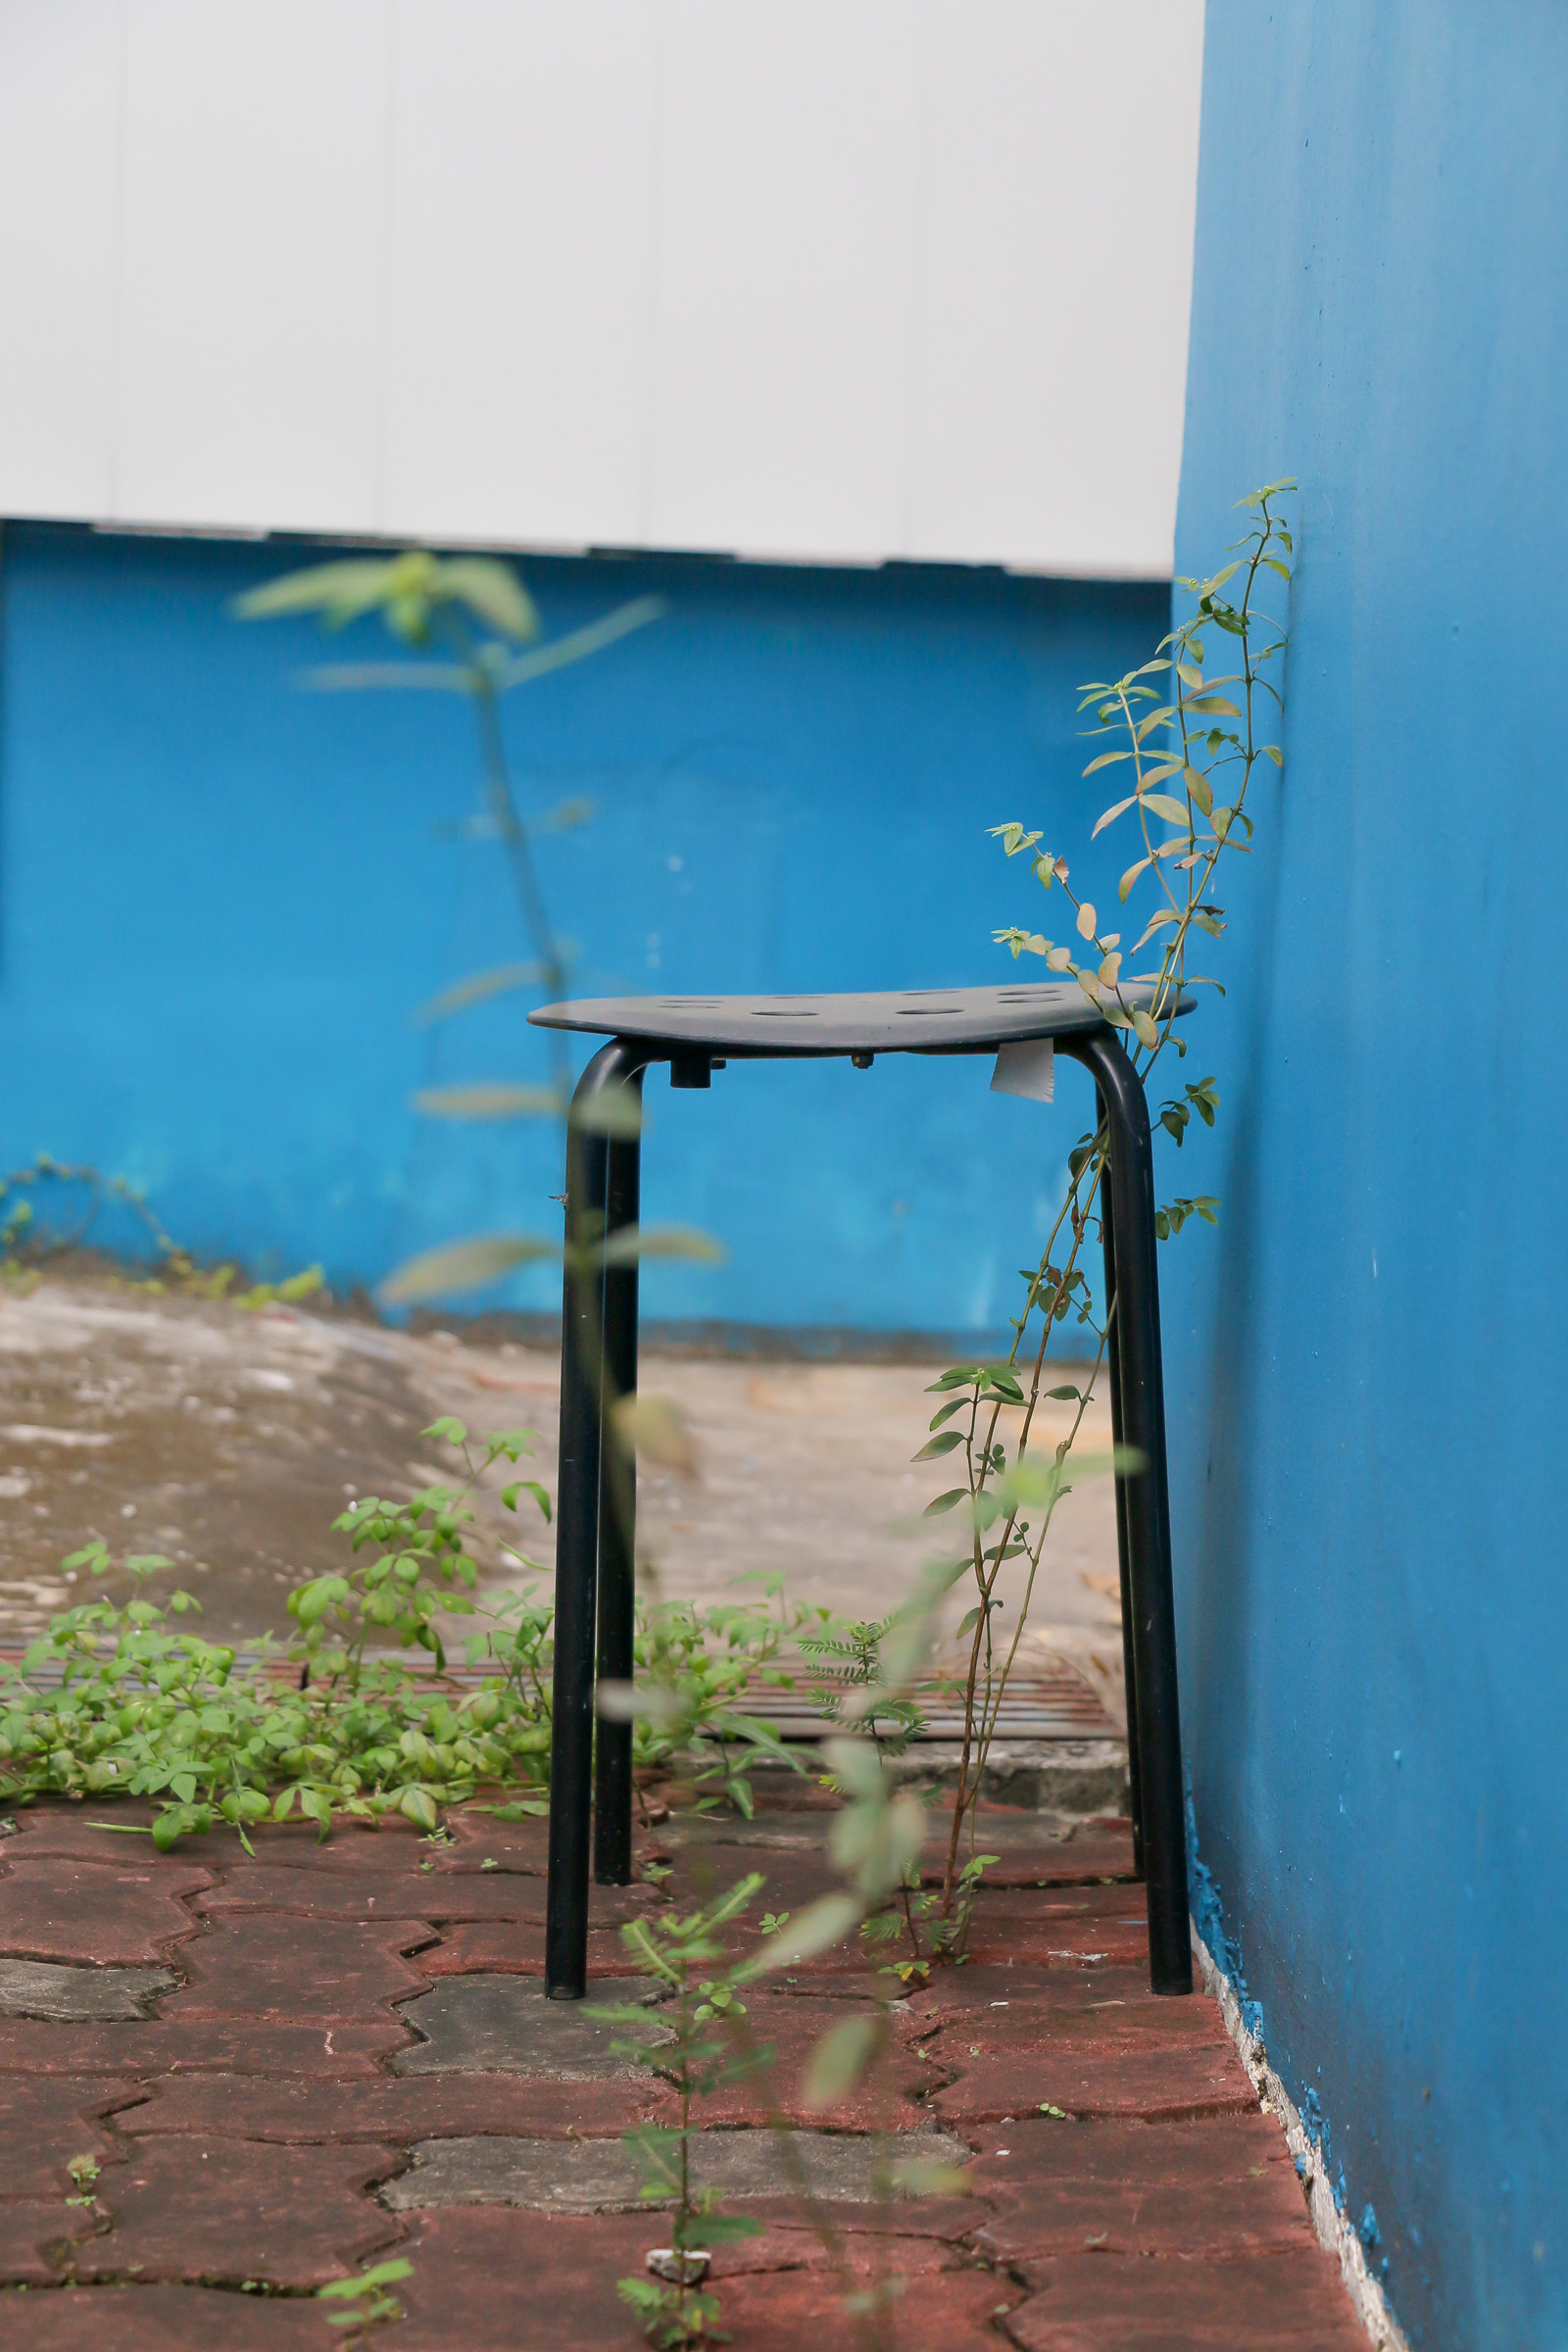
(594, 1523)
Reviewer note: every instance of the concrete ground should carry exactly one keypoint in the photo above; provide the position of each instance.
(227, 2081)
(230, 1440)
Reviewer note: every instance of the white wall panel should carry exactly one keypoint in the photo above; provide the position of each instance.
(789, 164)
(521, 264)
(253, 236)
(831, 280)
(60, 69)
(1050, 363)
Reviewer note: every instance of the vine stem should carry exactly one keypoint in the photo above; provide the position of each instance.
(1168, 983)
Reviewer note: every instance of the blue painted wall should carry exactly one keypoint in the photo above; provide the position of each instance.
(1369, 1361)
(221, 899)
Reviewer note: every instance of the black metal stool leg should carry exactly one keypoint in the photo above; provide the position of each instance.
(618, 1520)
(571, 1728)
(1146, 1494)
(1129, 1662)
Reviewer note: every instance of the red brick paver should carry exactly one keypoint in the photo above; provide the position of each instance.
(278, 1965)
(214, 2208)
(107, 1913)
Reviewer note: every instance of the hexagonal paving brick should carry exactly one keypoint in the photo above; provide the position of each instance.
(229, 2045)
(44, 2124)
(1168, 2303)
(493, 2278)
(437, 1895)
(272, 1964)
(1219, 2186)
(491, 1947)
(33, 2235)
(47, 1988)
(592, 2177)
(504, 2023)
(170, 2318)
(95, 1911)
(394, 2113)
(1102, 2077)
(209, 2208)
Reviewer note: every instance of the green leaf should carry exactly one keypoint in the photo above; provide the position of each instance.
(385, 2274)
(615, 1110)
(477, 987)
(839, 2059)
(1110, 815)
(946, 1503)
(632, 1243)
(489, 1101)
(1059, 1395)
(942, 1445)
(928, 2176)
(580, 644)
(815, 1929)
(526, 1486)
(340, 591)
(355, 677)
(491, 592)
(1164, 804)
(462, 1266)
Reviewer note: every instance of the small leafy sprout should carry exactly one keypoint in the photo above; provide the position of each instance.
(1058, 2114)
(702, 2055)
(673, 2317)
(83, 2171)
(369, 2294)
(1174, 1215)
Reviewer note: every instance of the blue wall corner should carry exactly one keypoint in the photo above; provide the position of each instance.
(1367, 1363)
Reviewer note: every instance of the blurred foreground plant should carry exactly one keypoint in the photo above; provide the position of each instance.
(470, 628)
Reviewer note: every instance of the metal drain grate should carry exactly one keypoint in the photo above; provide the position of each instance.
(1057, 1702)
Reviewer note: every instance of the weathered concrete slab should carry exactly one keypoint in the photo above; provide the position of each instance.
(603, 2176)
(232, 1440)
(504, 2025)
(69, 1995)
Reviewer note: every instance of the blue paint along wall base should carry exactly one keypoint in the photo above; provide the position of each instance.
(221, 898)
(1366, 1364)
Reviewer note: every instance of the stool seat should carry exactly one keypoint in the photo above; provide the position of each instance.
(914, 1020)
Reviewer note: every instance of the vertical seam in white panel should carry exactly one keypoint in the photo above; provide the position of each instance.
(919, 235)
(656, 172)
(391, 14)
(117, 268)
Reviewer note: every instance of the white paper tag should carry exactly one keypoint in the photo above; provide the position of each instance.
(1028, 1068)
